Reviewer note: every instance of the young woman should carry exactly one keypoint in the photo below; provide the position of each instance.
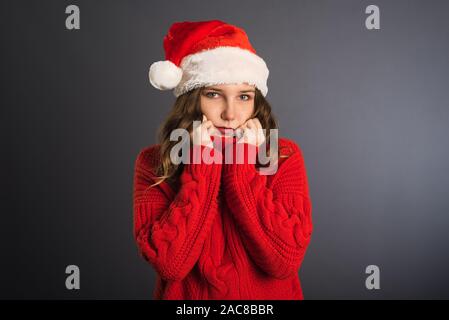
(220, 230)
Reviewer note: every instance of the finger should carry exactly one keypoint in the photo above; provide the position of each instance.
(238, 132)
(259, 130)
(204, 118)
(208, 124)
(210, 131)
(252, 129)
(243, 124)
(255, 134)
(213, 131)
(250, 124)
(246, 133)
(212, 128)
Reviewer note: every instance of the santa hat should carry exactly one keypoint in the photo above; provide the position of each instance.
(206, 53)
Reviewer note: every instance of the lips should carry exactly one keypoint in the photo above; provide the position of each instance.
(226, 131)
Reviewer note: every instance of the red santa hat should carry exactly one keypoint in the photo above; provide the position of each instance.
(206, 53)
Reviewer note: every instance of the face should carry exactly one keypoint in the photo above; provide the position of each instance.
(228, 105)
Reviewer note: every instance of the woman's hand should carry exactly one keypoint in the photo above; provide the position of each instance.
(201, 134)
(251, 132)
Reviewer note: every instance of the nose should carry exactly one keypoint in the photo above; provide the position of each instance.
(229, 112)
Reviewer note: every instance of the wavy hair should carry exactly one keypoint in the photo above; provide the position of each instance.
(186, 109)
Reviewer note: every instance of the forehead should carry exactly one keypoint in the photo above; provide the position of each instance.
(231, 87)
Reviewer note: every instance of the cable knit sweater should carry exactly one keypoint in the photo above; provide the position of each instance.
(226, 231)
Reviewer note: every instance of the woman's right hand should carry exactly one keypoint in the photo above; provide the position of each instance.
(201, 134)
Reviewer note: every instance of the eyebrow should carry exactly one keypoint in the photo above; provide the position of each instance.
(241, 91)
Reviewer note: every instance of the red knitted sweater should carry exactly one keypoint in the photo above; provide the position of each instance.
(226, 231)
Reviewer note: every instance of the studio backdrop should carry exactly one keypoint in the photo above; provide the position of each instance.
(360, 86)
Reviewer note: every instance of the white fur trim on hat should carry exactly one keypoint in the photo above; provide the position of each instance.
(164, 75)
(222, 65)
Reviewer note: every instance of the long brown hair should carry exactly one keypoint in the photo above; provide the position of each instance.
(185, 110)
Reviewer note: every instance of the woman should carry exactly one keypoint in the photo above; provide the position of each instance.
(220, 230)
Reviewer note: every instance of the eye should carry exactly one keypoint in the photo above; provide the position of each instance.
(209, 93)
(246, 95)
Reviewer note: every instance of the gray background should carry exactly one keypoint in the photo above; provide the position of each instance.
(368, 108)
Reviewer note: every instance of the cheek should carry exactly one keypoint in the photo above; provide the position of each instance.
(206, 107)
(210, 110)
(246, 113)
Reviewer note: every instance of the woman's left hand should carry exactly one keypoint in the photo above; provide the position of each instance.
(251, 132)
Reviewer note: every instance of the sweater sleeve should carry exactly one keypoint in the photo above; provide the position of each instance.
(170, 232)
(275, 220)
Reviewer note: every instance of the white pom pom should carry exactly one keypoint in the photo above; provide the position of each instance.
(164, 75)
